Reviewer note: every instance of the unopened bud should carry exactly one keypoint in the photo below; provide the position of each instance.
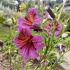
(49, 10)
(1, 43)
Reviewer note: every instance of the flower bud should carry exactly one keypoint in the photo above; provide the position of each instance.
(1, 43)
(49, 10)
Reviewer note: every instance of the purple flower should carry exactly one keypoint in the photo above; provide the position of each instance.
(28, 44)
(61, 48)
(31, 19)
(1, 43)
(46, 15)
(57, 29)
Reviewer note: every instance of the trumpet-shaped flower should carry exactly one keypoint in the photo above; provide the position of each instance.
(28, 44)
(31, 19)
(57, 29)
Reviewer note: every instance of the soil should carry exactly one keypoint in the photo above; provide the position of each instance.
(5, 64)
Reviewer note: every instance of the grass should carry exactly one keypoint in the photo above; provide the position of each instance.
(4, 32)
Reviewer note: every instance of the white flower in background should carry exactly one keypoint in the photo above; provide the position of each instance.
(65, 25)
(9, 20)
(64, 35)
(16, 3)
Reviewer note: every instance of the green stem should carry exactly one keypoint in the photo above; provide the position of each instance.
(10, 57)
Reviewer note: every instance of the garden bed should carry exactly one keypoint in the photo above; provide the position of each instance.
(5, 64)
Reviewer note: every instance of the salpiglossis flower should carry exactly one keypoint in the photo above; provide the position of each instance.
(28, 44)
(57, 29)
(31, 19)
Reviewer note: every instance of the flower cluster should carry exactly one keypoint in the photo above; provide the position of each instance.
(50, 27)
(57, 29)
(61, 48)
(28, 44)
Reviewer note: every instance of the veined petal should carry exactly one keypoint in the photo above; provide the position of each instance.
(31, 14)
(32, 53)
(39, 46)
(37, 19)
(24, 22)
(24, 52)
(23, 38)
(19, 43)
(33, 10)
(37, 38)
(24, 32)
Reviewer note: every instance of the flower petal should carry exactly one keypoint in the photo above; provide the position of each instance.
(39, 46)
(37, 19)
(37, 38)
(31, 13)
(19, 43)
(63, 48)
(32, 53)
(24, 32)
(57, 47)
(59, 26)
(57, 33)
(24, 52)
(48, 28)
(21, 20)
(23, 38)
(32, 10)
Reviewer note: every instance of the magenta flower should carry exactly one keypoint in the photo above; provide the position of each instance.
(31, 19)
(46, 14)
(57, 29)
(28, 44)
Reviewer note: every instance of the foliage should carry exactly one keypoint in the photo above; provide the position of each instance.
(29, 4)
(68, 26)
(6, 4)
(49, 52)
(2, 19)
